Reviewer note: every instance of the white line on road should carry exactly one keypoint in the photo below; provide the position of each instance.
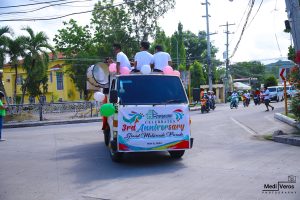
(252, 132)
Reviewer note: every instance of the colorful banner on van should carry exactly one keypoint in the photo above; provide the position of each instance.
(153, 128)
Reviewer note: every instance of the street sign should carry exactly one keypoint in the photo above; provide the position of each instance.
(281, 74)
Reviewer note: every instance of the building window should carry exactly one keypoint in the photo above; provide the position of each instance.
(51, 77)
(60, 80)
(19, 80)
(31, 100)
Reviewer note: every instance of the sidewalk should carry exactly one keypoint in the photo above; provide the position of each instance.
(69, 121)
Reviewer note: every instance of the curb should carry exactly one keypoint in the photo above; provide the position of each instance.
(287, 139)
(287, 120)
(48, 123)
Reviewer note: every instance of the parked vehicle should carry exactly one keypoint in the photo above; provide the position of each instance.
(148, 117)
(276, 93)
(290, 91)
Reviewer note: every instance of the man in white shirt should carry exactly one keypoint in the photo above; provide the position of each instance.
(143, 57)
(267, 99)
(161, 59)
(122, 59)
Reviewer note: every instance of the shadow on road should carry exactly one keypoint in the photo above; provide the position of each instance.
(91, 162)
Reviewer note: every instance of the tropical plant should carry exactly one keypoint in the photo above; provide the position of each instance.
(15, 50)
(35, 63)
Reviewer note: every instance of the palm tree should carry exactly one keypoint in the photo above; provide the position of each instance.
(3, 46)
(15, 50)
(35, 63)
(3, 42)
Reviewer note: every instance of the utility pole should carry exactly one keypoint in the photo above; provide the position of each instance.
(293, 11)
(227, 59)
(208, 45)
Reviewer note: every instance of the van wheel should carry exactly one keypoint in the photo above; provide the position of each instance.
(114, 155)
(277, 99)
(106, 133)
(176, 154)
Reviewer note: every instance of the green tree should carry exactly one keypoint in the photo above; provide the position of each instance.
(161, 39)
(178, 51)
(144, 15)
(76, 42)
(113, 24)
(35, 63)
(15, 50)
(253, 69)
(3, 43)
(270, 81)
(3, 47)
(73, 39)
(197, 76)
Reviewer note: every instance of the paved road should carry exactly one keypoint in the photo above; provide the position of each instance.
(228, 161)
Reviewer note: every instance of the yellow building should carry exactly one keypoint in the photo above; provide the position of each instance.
(60, 85)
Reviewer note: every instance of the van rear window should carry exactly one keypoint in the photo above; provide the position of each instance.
(150, 89)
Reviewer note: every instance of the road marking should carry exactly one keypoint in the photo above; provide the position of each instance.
(249, 130)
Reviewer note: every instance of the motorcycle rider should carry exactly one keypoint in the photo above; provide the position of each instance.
(234, 98)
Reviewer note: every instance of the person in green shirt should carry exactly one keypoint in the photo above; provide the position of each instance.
(2, 114)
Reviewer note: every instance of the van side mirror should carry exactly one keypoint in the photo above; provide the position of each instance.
(113, 97)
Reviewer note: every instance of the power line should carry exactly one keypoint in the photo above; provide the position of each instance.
(31, 4)
(59, 17)
(256, 13)
(244, 28)
(29, 11)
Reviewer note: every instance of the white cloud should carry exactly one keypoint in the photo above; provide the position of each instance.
(258, 42)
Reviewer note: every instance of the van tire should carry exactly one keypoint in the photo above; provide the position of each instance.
(277, 99)
(176, 154)
(114, 155)
(106, 133)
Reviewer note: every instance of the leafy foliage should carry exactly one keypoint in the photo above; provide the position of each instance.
(252, 69)
(197, 75)
(35, 63)
(144, 15)
(112, 24)
(270, 81)
(295, 106)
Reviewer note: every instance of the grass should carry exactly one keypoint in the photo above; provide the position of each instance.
(291, 115)
(268, 137)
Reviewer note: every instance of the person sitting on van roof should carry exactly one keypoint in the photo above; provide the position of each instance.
(161, 59)
(122, 59)
(143, 57)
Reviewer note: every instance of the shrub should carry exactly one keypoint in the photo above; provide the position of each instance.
(295, 106)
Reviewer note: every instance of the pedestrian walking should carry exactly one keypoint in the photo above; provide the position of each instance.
(161, 59)
(143, 57)
(266, 96)
(2, 114)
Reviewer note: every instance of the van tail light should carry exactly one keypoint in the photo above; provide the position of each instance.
(190, 121)
(115, 123)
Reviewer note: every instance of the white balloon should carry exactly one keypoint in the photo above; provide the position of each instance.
(99, 96)
(146, 69)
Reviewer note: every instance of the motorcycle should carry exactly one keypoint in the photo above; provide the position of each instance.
(256, 100)
(234, 102)
(204, 106)
(212, 104)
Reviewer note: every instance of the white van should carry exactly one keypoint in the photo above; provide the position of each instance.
(276, 93)
(152, 114)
